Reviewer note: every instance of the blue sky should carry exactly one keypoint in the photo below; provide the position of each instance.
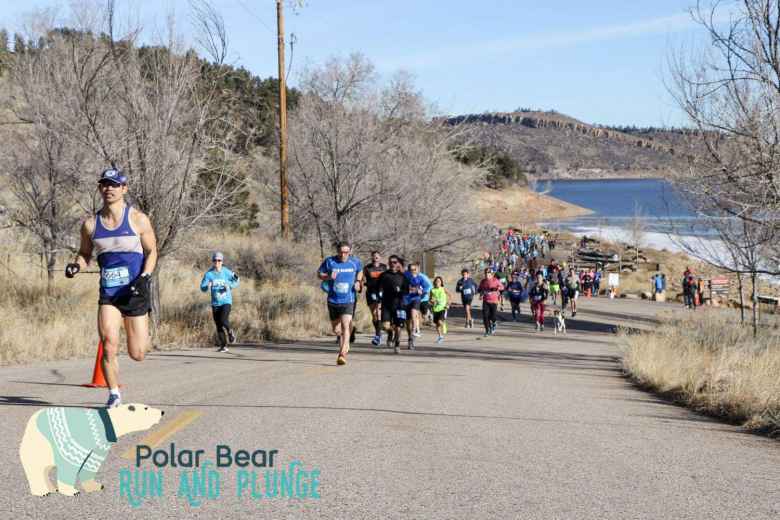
(601, 61)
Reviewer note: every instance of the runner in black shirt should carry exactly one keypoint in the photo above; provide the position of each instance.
(393, 285)
(371, 273)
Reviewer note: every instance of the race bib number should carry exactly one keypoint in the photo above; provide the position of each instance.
(115, 277)
(466, 292)
(341, 288)
(400, 314)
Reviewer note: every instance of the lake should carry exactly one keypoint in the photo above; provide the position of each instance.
(617, 202)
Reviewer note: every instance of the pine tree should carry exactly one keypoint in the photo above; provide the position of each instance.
(19, 45)
(3, 40)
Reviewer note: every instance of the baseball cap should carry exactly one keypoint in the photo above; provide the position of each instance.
(114, 176)
(217, 256)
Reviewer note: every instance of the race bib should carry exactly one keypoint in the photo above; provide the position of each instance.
(374, 297)
(466, 292)
(400, 314)
(115, 277)
(341, 288)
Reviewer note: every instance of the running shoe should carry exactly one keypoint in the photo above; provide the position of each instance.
(397, 346)
(411, 344)
(573, 314)
(416, 334)
(439, 339)
(231, 336)
(341, 360)
(223, 348)
(487, 333)
(114, 400)
(541, 327)
(389, 339)
(537, 327)
(376, 341)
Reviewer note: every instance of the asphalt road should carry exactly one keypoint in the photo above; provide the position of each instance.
(520, 425)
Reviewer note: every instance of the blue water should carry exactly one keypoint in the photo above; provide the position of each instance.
(616, 202)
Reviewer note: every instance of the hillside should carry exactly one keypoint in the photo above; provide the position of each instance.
(553, 145)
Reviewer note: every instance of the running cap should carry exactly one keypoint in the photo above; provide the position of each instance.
(217, 256)
(114, 176)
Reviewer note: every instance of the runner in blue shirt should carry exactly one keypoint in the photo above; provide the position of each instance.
(517, 294)
(419, 286)
(221, 280)
(467, 288)
(344, 276)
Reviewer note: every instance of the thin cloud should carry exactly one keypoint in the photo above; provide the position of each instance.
(461, 53)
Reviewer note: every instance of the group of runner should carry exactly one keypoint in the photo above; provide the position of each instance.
(398, 295)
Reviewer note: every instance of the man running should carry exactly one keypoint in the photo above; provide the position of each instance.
(419, 286)
(122, 239)
(490, 290)
(344, 273)
(394, 286)
(221, 281)
(467, 289)
(538, 296)
(371, 274)
(572, 291)
(517, 293)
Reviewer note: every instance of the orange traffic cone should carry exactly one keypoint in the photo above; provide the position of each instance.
(98, 378)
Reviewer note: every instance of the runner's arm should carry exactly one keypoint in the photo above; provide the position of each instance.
(148, 241)
(84, 256)
(233, 281)
(204, 284)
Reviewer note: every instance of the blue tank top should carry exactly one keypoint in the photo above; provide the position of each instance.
(119, 255)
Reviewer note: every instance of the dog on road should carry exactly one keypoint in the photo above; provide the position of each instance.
(560, 322)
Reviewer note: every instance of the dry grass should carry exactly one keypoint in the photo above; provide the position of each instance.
(278, 299)
(707, 361)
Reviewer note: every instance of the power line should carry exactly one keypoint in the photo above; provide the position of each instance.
(255, 16)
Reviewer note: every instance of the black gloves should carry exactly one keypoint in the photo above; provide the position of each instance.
(141, 285)
(71, 270)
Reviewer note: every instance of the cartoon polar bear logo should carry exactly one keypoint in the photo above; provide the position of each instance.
(76, 442)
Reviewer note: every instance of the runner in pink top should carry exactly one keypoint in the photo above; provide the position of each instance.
(490, 291)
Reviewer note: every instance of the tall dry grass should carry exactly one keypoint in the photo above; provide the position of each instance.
(712, 364)
(278, 299)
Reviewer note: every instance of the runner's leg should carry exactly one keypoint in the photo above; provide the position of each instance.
(216, 312)
(137, 330)
(109, 323)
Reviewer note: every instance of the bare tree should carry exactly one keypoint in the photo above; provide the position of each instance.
(367, 166)
(730, 92)
(151, 111)
(637, 230)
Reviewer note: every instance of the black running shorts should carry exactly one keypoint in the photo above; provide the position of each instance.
(394, 314)
(336, 311)
(439, 317)
(373, 297)
(129, 305)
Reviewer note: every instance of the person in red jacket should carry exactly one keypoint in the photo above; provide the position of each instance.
(490, 292)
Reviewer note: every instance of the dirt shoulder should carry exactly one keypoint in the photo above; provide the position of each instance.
(521, 206)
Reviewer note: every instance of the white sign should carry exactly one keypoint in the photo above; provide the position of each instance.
(614, 279)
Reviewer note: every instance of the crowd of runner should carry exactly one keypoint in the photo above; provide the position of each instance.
(400, 296)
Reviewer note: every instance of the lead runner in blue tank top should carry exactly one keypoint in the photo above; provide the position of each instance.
(122, 239)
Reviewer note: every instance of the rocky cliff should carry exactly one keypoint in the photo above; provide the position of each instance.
(549, 144)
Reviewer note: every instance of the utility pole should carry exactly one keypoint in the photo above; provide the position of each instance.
(283, 188)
